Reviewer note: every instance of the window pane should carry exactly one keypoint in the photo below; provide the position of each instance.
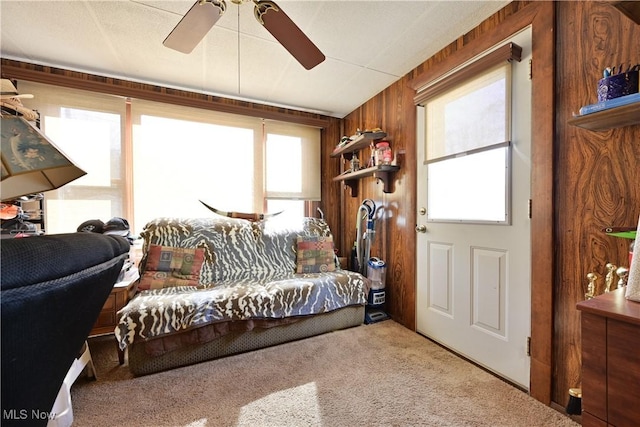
(284, 164)
(471, 116)
(469, 188)
(292, 210)
(87, 127)
(176, 163)
(292, 161)
(92, 140)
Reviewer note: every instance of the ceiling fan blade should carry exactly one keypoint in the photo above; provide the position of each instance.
(288, 33)
(194, 25)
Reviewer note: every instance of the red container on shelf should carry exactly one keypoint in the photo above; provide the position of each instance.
(383, 153)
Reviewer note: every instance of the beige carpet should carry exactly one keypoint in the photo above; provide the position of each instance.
(376, 375)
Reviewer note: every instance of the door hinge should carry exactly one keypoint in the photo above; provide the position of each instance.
(530, 209)
(528, 346)
(531, 69)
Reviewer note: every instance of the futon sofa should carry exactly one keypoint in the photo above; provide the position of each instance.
(52, 290)
(210, 287)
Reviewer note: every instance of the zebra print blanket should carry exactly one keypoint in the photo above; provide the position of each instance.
(248, 273)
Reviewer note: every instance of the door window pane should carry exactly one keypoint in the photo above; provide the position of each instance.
(469, 188)
(468, 151)
(471, 116)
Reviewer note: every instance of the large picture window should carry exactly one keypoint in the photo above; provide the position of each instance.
(147, 159)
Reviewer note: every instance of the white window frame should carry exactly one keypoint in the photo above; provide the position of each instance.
(436, 92)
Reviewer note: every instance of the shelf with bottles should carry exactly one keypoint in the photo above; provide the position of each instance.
(357, 142)
(378, 165)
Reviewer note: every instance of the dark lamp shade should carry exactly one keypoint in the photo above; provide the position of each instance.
(30, 162)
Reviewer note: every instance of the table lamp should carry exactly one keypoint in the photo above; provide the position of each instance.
(31, 163)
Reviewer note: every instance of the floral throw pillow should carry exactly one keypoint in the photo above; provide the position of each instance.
(168, 266)
(315, 254)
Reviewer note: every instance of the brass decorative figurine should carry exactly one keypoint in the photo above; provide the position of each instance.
(608, 280)
(623, 274)
(591, 287)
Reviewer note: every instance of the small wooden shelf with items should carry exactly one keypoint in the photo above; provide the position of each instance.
(363, 140)
(626, 115)
(382, 172)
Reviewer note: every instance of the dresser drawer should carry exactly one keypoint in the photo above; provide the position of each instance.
(118, 298)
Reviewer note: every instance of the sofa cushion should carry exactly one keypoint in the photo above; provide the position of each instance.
(168, 266)
(159, 312)
(315, 254)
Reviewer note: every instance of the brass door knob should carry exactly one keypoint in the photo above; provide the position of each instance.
(421, 228)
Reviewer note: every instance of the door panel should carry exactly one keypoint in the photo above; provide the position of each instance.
(439, 268)
(488, 290)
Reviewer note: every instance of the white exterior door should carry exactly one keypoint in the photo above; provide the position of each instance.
(473, 279)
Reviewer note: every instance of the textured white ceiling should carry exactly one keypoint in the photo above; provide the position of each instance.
(368, 45)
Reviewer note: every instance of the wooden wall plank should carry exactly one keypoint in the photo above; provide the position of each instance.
(597, 178)
(400, 223)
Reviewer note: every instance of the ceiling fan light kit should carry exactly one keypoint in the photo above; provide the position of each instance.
(204, 14)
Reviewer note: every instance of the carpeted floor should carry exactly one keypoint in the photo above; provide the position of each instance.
(381, 374)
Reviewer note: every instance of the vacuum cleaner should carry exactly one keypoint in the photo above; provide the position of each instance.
(371, 267)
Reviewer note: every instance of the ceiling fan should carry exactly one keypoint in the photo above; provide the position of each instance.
(203, 15)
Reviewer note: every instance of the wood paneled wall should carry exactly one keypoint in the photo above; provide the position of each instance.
(394, 111)
(597, 179)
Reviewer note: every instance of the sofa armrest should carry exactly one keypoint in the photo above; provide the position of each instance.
(31, 260)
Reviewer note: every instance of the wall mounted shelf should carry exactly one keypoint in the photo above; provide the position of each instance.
(626, 115)
(363, 140)
(382, 172)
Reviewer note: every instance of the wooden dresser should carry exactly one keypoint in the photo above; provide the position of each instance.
(107, 320)
(610, 360)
